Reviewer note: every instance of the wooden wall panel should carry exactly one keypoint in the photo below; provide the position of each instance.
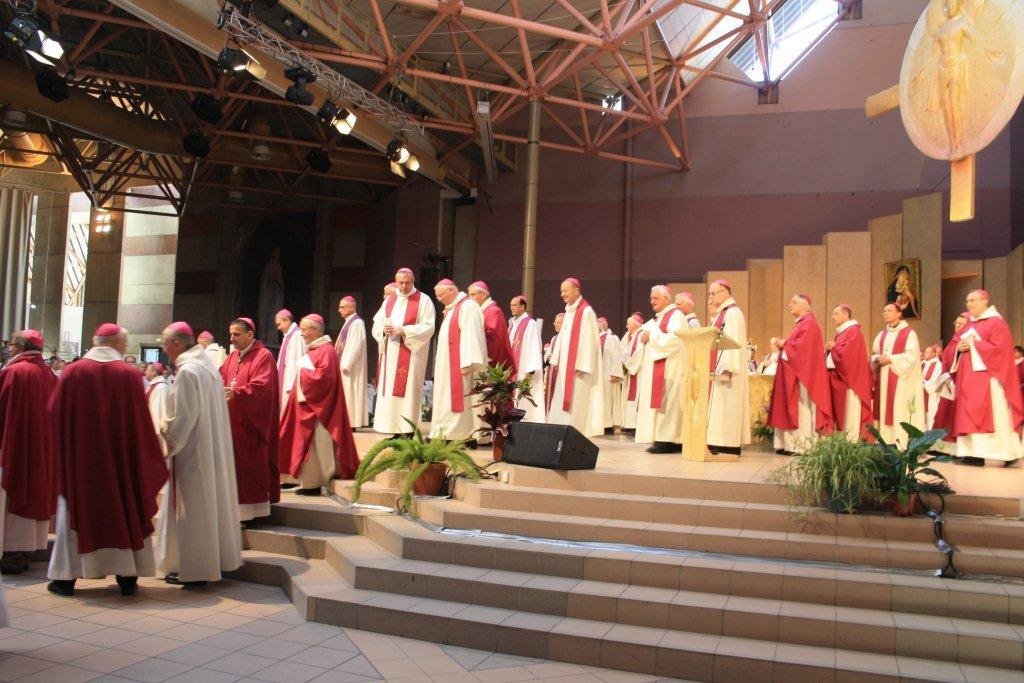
(1013, 305)
(922, 238)
(804, 272)
(740, 280)
(699, 290)
(849, 278)
(764, 315)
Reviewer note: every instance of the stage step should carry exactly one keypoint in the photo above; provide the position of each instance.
(767, 544)
(325, 596)
(959, 529)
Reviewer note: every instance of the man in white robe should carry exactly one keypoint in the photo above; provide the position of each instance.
(611, 359)
(632, 360)
(524, 337)
(659, 420)
(685, 303)
(729, 403)
(290, 353)
(199, 535)
(931, 371)
(461, 353)
(896, 360)
(214, 351)
(577, 398)
(550, 350)
(403, 327)
(351, 348)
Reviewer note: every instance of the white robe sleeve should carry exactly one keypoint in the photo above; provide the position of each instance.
(551, 355)
(355, 346)
(181, 412)
(530, 358)
(377, 331)
(588, 359)
(613, 357)
(418, 335)
(903, 363)
(876, 348)
(734, 326)
(472, 343)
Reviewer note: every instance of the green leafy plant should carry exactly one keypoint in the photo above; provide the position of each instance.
(414, 455)
(902, 472)
(761, 432)
(833, 472)
(498, 393)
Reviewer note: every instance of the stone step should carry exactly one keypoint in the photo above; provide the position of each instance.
(765, 544)
(773, 579)
(366, 566)
(700, 488)
(958, 529)
(324, 596)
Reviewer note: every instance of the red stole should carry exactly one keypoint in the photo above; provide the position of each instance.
(412, 309)
(574, 348)
(631, 394)
(517, 338)
(720, 324)
(149, 390)
(658, 380)
(455, 357)
(852, 371)
(890, 386)
(927, 376)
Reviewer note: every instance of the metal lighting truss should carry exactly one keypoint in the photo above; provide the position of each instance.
(247, 32)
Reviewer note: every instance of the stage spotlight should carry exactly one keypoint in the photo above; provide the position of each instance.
(318, 160)
(297, 93)
(207, 108)
(397, 169)
(233, 61)
(196, 144)
(51, 86)
(413, 164)
(339, 118)
(397, 151)
(303, 31)
(24, 32)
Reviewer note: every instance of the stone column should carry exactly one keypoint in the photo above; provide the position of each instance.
(103, 270)
(16, 219)
(48, 265)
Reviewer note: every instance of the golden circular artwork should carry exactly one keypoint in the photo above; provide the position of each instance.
(963, 75)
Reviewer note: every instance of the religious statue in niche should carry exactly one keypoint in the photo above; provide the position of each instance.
(271, 298)
(961, 81)
(904, 278)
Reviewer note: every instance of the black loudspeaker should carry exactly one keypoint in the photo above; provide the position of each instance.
(556, 447)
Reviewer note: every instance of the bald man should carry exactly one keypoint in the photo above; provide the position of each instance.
(659, 417)
(577, 397)
(801, 403)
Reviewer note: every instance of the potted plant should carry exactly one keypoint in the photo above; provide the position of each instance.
(904, 473)
(833, 472)
(498, 393)
(428, 464)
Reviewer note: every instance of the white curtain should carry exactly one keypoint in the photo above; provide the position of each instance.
(15, 220)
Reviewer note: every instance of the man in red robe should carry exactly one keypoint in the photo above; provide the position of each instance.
(801, 403)
(989, 408)
(28, 488)
(499, 348)
(849, 375)
(316, 437)
(109, 469)
(252, 392)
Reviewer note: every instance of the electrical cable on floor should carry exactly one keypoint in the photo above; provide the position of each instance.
(938, 517)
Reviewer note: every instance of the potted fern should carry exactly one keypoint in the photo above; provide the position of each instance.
(427, 463)
(905, 473)
(498, 393)
(833, 472)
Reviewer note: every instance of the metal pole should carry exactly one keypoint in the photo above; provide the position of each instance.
(530, 212)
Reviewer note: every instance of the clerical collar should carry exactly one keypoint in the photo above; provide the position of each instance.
(319, 341)
(25, 354)
(989, 312)
(458, 297)
(350, 316)
(247, 349)
(847, 325)
(102, 354)
(665, 311)
(897, 325)
(574, 304)
(405, 296)
(728, 302)
(487, 302)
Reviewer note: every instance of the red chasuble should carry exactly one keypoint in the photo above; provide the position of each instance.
(499, 348)
(109, 463)
(944, 411)
(631, 394)
(254, 411)
(891, 380)
(852, 371)
(972, 413)
(412, 311)
(805, 351)
(26, 442)
(325, 403)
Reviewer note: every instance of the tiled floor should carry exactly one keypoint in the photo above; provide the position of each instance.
(230, 631)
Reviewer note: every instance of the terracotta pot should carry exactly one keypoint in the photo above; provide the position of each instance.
(908, 510)
(431, 481)
(498, 446)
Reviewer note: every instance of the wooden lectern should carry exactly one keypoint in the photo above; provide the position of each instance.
(695, 386)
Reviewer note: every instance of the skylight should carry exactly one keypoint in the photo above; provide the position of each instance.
(792, 30)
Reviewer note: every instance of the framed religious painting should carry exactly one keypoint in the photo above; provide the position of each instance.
(903, 286)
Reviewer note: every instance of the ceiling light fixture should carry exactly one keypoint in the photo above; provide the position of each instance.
(297, 94)
(52, 86)
(338, 118)
(318, 160)
(24, 32)
(196, 144)
(397, 151)
(207, 108)
(236, 61)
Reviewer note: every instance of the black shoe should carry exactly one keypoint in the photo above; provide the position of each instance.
(609, 431)
(473, 443)
(13, 563)
(731, 450)
(288, 486)
(315, 491)
(173, 579)
(129, 585)
(665, 447)
(972, 461)
(62, 587)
